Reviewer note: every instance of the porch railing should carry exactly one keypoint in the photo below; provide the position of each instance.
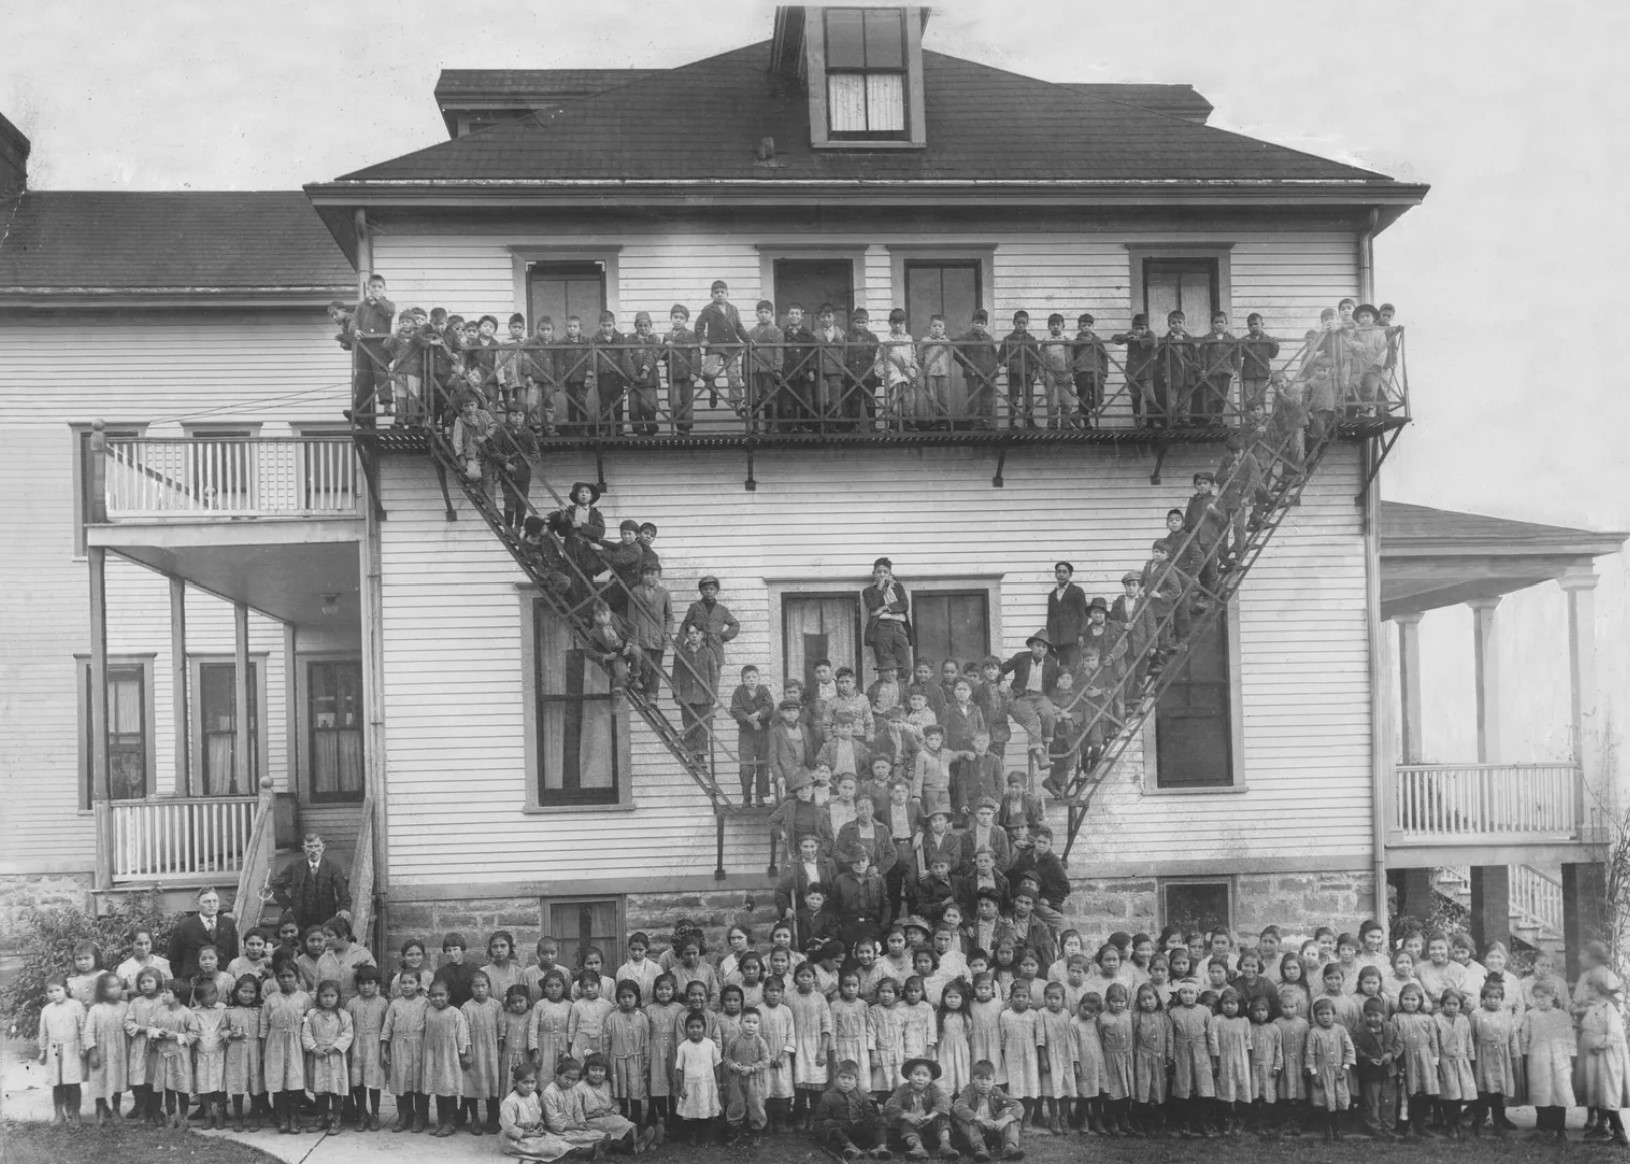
(1536, 899)
(619, 387)
(191, 477)
(175, 839)
(1474, 803)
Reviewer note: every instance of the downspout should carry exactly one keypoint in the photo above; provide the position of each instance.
(1366, 258)
(1380, 716)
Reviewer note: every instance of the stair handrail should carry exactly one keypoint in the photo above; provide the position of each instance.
(363, 876)
(254, 878)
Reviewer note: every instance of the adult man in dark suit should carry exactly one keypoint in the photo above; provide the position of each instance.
(1066, 616)
(314, 889)
(208, 927)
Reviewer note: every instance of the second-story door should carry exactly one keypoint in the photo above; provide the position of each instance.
(561, 289)
(948, 287)
(1186, 285)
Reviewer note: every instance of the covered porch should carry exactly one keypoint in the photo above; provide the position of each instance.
(1518, 843)
(262, 723)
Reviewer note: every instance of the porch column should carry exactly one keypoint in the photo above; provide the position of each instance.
(1491, 905)
(1584, 723)
(101, 784)
(1409, 683)
(291, 717)
(1584, 898)
(1486, 657)
(178, 687)
(1415, 890)
(240, 670)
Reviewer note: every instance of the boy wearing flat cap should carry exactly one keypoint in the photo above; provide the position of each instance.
(1132, 615)
(792, 746)
(718, 625)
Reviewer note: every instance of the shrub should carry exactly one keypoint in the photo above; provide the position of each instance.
(50, 935)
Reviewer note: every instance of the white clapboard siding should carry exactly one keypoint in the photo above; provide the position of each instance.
(1288, 274)
(452, 629)
(165, 369)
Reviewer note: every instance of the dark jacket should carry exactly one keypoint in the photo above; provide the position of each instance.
(313, 899)
(1048, 872)
(190, 936)
(720, 324)
(873, 603)
(840, 1111)
(1067, 616)
(1019, 667)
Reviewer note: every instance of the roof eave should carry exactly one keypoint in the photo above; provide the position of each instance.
(1586, 543)
(1393, 196)
(60, 298)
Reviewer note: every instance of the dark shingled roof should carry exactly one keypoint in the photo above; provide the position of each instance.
(1405, 526)
(1178, 100)
(101, 241)
(702, 122)
(519, 86)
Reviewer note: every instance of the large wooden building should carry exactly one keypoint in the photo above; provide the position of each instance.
(298, 638)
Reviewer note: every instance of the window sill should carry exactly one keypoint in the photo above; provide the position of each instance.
(572, 809)
(868, 145)
(1206, 790)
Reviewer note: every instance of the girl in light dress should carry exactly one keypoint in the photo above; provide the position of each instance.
(955, 1030)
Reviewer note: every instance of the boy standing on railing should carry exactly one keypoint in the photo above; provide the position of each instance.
(684, 367)
(975, 351)
(1058, 374)
(1022, 357)
(1219, 360)
(608, 375)
(719, 330)
(861, 356)
(1140, 368)
(370, 328)
(644, 377)
(541, 369)
(1090, 366)
(766, 338)
(1257, 354)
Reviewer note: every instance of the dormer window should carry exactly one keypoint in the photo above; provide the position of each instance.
(862, 69)
(866, 74)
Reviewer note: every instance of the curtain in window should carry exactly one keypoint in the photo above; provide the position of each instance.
(817, 626)
(846, 102)
(337, 762)
(886, 102)
(218, 766)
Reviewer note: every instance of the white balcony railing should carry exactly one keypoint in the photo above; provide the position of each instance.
(1476, 803)
(175, 839)
(221, 477)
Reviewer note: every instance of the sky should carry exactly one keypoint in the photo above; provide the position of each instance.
(1508, 276)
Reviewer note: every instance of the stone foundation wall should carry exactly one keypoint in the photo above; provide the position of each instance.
(653, 913)
(36, 891)
(1298, 903)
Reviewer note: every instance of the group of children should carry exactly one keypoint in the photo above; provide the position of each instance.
(781, 374)
(946, 1036)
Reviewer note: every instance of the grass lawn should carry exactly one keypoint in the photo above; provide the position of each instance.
(38, 1143)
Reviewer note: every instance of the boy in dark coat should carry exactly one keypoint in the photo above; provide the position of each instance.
(610, 372)
(860, 382)
(721, 336)
(847, 1121)
(791, 744)
(1090, 364)
(1066, 615)
(684, 357)
(975, 353)
(718, 625)
(987, 1118)
(696, 679)
(1021, 353)
(1175, 370)
(919, 1111)
(1140, 370)
(753, 709)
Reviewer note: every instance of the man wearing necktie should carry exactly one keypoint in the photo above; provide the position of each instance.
(208, 927)
(314, 889)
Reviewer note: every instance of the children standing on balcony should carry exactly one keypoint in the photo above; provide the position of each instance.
(1021, 356)
(976, 353)
(644, 364)
(1058, 374)
(719, 333)
(1089, 368)
(766, 364)
(862, 357)
(900, 373)
(829, 359)
(609, 376)
(683, 353)
(934, 395)
(1141, 349)
(800, 367)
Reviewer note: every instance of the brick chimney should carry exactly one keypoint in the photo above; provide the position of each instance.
(14, 149)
